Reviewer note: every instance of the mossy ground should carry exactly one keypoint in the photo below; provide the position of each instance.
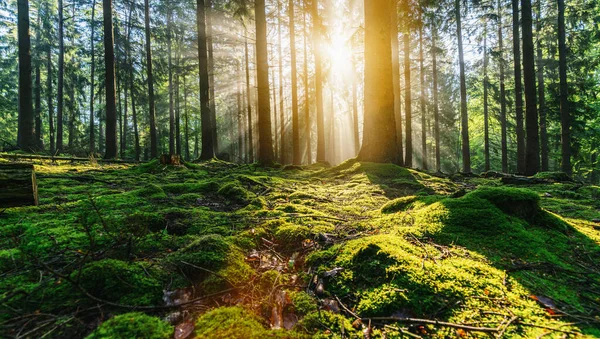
(289, 245)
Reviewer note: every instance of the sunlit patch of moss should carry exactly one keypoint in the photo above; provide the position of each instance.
(290, 235)
(325, 324)
(209, 252)
(303, 303)
(235, 193)
(133, 325)
(556, 176)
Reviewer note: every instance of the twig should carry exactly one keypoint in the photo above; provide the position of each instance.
(412, 335)
(346, 308)
(549, 328)
(436, 323)
(503, 330)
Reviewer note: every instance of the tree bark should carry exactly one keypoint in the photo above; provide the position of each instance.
(109, 63)
(265, 139)
(170, 71)
(532, 151)
(518, 89)
(464, 116)
(49, 95)
(211, 75)
(541, 91)
(61, 79)
(486, 123)
(92, 79)
(150, 76)
(250, 141)
(503, 122)
(26, 131)
(407, 99)
(396, 81)
(39, 143)
(379, 137)
(208, 150)
(307, 122)
(436, 110)
(565, 117)
(422, 102)
(297, 157)
(282, 144)
(318, 82)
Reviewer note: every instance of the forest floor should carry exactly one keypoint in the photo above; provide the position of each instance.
(218, 250)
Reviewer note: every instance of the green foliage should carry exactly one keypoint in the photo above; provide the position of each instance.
(133, 325)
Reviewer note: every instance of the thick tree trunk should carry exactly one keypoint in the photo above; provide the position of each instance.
(355, 113)
(297, 157)
(250, 140)
(407, 100)
(49, 93)
(170, 71)
(436, 110)
(518, 88)
(503, 122)
(396, 81)
(265, 139)
(422, 103)
(208, 150)
(464, 116)
(532, 165)
(318, 82)
(150, 76)
(39, 142)
(211, 75)
(92, 79)
(26, 131)
(565, 117)
(282, 143)
(379, 137)
(19, 185)
(307, 122)
(109, 63)
(486, 122)
(541, 91)
(61, 79)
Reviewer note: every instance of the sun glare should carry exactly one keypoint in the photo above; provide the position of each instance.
(340, 56)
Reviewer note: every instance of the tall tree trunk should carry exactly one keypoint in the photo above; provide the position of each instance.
(565, 117)
(61, 79)
(265, 139)
(532, 151)
(282, 143)
(274, 117)
(26, 131)
(407, 100)
(541, 91)
(170, 71)
(464, 116)
(150, 76)
(208, 149)
(250, 140)
(436, 110)
(240, 120)
(297, 157)
(355, 112)
(518, 88)
(177, 99)
(486, 123)
(318, 82)
(186, 119)
(92, 79)
(49, 94)
(422, 101)
(396, 81)
(503, 122)
(39, 143)
(109, 63)
(379, 136)
(211, 74)
(306, 90)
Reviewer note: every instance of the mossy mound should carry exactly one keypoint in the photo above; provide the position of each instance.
(554, 176)
(521, 203)
(209, 251)
(133, 325)
(236, 194)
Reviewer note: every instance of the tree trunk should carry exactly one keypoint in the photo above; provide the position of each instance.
(26, 131)
(532, 165)
(297, 157)
(151, 105)
(503, 123)
(18, 182)
(61, 79)
(541, 91)
(39, 143)
(208, 150)
(211, 75)
(282, 148)
(306, 91)
(265, 139)
(92, 80)
(436, 110)
(422, 102)
(177, 99)
(486, 123)
(379, 137)
(518, 89)
(109, 63)
(407, 100)
(464, 117)
(249, 142)
(240, 120)
(565, 117)
(355, 112)
(396, 81)
(318, 82)
(170, 71)
(49, 95)
(186, 119)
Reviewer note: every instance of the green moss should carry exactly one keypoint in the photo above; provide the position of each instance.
(316, 322)
(209, 251)
(235, 193)
(133, 325)
(151, 191)
(303, 303)
(555, 176)
(521, 203)
(382, 301)
(291, 236)
(399, 204)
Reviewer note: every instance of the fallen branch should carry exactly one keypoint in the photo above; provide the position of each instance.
(548, 328)
(435, 323)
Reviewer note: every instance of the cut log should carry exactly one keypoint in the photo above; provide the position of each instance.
(18, 185)
(173, 159)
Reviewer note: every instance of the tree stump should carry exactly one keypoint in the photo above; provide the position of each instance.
(172, 159)
(18, 185)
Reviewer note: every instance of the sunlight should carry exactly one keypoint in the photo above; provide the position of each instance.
(339, 55)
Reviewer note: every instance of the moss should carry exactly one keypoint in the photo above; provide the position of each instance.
(382, 301)
(133, 325)
(303, 303)
(290, 236)
(316, 322)
(235, 193)
(555, 176)
(521, 203)
(151, 191)
(399, 204)
(209, 251)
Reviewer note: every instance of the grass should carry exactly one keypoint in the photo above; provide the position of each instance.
(289, 245)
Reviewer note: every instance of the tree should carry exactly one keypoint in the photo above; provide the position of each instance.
(407, 88)
(61, 79)
(170, 71)
(379, 136)
(26, 132)
(211, 75)
(250, 129)
(281, 131)
(318, 82)
(150, 76)
(503, 122)
(518, 88)
(306, 91)
(541, 90)
(464, 117)
(422, 100)
(39, 142)
(208, 150)
(436, 110)
(396, 83)
(565, 118)
(486, 123)
(532, 164)
(295, 120)
(49, 92)
(265, 139)
(110, 83)
(92, 79)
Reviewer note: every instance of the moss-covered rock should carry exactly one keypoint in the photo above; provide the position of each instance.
(519, 202)
(133, 325)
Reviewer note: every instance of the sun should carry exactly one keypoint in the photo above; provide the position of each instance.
(340, 56)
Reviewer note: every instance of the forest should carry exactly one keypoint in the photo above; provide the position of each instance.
(299, 169)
